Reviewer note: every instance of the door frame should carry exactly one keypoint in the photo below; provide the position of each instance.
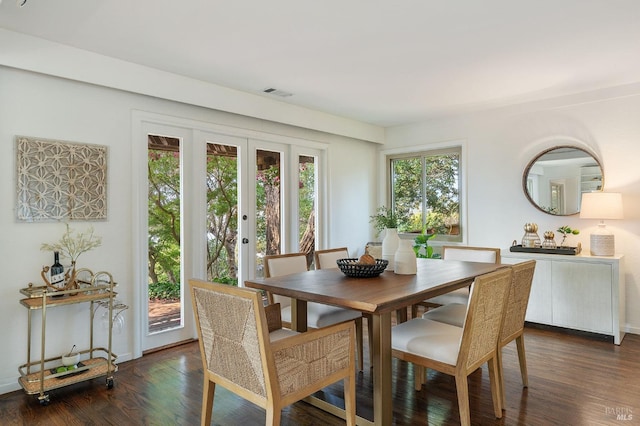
(193, 134)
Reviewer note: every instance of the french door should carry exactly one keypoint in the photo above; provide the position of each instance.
(237, 199)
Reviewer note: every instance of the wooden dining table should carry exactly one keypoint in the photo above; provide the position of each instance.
(378, 296)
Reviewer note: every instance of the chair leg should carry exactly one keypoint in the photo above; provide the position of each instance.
(273, 415)
(494, 380)
(419, 374)
(414, 311)
(350, 399)
(462, 389)
(523, 360)
(501, 388)
(359, 343)
(208, 391)
(370, 335)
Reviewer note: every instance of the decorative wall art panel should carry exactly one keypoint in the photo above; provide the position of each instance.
(58, 180)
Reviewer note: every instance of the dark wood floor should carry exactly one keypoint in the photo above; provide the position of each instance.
(573, 380)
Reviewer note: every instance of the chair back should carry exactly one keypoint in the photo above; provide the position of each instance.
(232, 331)
(518, 300)
(326, 259)
(483, 322)
(277, 265)
(471, 254)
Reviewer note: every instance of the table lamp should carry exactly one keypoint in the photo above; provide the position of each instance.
(601, 206)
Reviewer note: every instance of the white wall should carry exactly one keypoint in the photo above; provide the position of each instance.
(501, 143)
(37, 105)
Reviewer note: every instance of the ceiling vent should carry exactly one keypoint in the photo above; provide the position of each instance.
(277, 92)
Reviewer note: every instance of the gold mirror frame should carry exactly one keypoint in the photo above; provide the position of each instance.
(576, 171)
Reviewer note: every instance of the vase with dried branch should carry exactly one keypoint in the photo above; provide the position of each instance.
(71, 246)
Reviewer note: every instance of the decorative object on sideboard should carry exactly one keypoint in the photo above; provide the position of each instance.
(601, 206)
(569, 251)
(530, 238)
(71, 246)
(566, 231)
(549, 240)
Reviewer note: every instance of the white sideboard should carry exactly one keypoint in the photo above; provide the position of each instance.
(580, 292)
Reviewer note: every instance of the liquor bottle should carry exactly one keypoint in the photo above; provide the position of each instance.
(57, 271)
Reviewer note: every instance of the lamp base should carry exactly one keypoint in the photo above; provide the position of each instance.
(602, 245)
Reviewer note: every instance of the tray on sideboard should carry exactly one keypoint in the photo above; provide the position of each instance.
(571, 251)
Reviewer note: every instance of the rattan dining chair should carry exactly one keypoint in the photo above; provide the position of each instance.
(318, 314)
(240, 354)
(513, 325)
(465, 253)
(326, 259)
(460, 351)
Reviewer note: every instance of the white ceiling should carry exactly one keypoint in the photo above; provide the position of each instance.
(380, 62)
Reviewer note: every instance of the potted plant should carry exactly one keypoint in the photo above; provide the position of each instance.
(566, 231)
(422, 248)
(383, 219)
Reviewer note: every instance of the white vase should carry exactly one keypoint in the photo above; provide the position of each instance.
(390, 244)
(405, 259)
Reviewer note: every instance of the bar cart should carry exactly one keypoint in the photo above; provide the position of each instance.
(44, 374)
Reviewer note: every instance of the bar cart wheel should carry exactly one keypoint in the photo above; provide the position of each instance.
(44, 400)
(110, 383)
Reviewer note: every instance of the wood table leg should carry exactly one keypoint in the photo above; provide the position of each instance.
(382, 402)
(299, 315)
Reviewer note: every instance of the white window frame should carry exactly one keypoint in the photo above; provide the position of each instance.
(384, 195)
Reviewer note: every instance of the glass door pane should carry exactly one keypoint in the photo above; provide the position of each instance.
(268, 200)
(164, 249)
(222, 213)
(307, 184)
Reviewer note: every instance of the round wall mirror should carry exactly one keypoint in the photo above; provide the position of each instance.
(555, 180)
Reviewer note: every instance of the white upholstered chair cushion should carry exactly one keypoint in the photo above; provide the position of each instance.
(428, 339)
(460, 295)
(470, 254)
(467, 254)
(319, 315)
(452, 314)
(326, 259)
(287, 265)
(279, 266)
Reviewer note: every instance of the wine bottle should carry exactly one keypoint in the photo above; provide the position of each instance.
(57, 271)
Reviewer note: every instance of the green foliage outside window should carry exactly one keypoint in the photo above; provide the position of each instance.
(425, 192)
(222, 216)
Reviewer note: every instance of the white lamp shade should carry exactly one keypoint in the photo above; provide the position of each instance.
(601, 205)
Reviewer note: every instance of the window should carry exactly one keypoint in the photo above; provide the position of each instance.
(425, 192)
